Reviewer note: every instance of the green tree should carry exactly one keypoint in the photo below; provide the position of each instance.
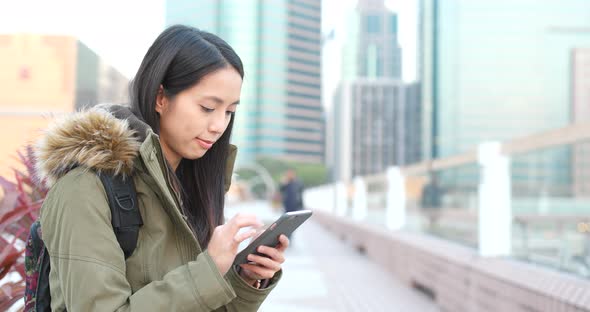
(310, 174)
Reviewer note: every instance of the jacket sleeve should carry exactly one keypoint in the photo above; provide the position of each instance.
(88, 265)
(248, 298)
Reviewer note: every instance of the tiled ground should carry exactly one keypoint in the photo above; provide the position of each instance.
(324, 274)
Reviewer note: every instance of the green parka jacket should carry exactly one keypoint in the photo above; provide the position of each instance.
(168, 270)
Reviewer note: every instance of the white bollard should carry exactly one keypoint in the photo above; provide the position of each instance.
(340, 199)
(319, 198)
(310, 198)
(359, 211)
(329, 196)
(495, 211)
(395, 218)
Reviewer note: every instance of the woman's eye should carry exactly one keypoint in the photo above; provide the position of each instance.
(206, 109)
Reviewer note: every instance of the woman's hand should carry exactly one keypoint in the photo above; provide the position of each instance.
(261, 267)
(225, 240)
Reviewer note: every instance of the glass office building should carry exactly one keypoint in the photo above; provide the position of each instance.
(497, 70)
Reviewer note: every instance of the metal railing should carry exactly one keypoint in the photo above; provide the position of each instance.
(525, 198)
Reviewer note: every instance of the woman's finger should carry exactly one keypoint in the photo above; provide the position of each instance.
(273, 253)
(259, 271)
(265, 262)
(240, 237)
(249, 274)
(241, 220)
(284, 242)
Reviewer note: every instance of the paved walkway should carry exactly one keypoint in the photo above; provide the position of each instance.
(324, 274)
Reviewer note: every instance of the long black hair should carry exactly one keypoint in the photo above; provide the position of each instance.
(179, 58)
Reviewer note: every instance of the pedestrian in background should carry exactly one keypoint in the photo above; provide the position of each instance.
(291, 191)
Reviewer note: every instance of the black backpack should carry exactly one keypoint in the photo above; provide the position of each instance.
(126, 221)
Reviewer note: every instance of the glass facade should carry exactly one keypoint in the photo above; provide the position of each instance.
(496, 70)
(373, 23)
(304, 108)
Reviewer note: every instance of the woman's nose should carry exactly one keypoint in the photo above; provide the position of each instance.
(218, 122)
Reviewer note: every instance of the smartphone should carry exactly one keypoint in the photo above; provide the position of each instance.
(286, 224)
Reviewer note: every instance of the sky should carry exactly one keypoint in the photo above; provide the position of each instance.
(121, 31)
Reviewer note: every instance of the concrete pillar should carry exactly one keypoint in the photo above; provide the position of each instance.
(495, 210)
(341, 204)
(395, 214)
(359, 211)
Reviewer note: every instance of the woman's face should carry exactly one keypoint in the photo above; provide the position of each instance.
(192, 121)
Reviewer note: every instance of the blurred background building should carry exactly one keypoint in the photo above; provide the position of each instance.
(385, 117)
(279, 44)
(48, 76)
(376, 118)
(492, 73)
(372, 48)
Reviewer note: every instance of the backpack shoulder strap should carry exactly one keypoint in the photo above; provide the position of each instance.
(126, 217)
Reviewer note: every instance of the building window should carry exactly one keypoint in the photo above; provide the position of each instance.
(305, 39)
(305, 16)
(373, 24)
(393, 24)
(372, 61)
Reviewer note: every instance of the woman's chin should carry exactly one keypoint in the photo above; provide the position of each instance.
(196, 154)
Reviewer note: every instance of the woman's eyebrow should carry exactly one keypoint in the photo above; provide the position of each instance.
(218, 100)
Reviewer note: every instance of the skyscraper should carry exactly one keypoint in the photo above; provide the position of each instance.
(375, 120)
(496, 70)
(279, 43)
(372, 49)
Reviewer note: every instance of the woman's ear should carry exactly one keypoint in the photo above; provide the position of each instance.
(161, 100)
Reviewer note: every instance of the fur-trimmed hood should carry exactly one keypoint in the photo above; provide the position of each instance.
(105, 138)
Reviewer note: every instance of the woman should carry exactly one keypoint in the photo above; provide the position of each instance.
(174, 143)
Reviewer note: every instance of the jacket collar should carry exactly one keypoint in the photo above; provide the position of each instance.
(105, 138)
(94, 139)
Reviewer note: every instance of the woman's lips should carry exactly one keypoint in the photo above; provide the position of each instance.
(204, 143)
